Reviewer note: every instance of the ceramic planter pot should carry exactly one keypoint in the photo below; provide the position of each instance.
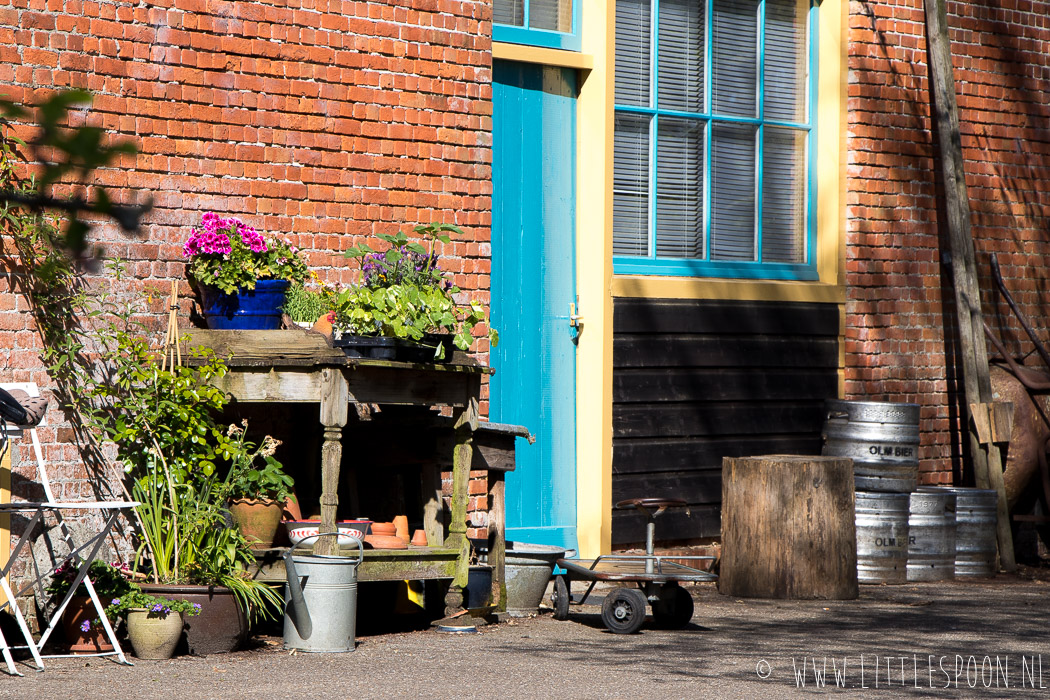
(248, 309)
(156, 636)
(257, 519)
(220, 627)
(76, 613)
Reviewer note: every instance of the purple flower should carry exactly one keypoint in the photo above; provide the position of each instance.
(115, 601)
(157, 607)
(85, 626)
(197, 607)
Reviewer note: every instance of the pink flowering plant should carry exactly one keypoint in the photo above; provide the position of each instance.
(227, 254)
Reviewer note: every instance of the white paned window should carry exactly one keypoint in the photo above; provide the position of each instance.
(712, 161)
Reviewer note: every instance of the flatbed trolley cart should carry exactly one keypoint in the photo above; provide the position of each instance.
(657, 578)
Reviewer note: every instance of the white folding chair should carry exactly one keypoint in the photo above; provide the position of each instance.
(110, 510)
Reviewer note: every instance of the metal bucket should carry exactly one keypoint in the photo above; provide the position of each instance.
(320, 601)
(931, 536)
(882, 439)
(975, 536)
(882, 537)
(528, 570)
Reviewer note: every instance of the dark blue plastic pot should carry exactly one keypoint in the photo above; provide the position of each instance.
(248, 309)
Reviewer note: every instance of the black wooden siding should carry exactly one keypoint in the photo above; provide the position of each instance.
(695, 381)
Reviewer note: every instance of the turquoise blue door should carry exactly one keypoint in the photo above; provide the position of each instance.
(533, 283)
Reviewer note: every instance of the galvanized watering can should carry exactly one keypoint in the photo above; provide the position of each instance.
(320, 600)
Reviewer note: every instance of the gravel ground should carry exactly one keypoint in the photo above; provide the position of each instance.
(921, 637)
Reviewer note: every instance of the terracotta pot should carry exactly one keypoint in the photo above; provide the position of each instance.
(221, 625)
(401, 527)
(384, 529)
(154, 637)
(94, 640)
(386, 542)
(257, 519)
(419, 538)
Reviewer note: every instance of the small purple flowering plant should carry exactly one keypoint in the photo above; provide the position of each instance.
(154, 606)
(403, 293)
(112, 582)
(228, 254)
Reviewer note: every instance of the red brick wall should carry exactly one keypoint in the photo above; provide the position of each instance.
(898, 293)
(324, 120)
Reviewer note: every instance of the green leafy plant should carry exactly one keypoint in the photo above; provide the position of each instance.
(306, 305)
(161, 422)
(247, 478)
(157, 606)
(230, 255)
(404, 293)
(113, 390)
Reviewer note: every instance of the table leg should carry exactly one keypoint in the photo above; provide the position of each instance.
(465, 422)
(497, 539)
(334, 398)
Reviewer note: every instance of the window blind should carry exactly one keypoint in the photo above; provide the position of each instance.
(555, 15)
(631, 185)
(786, 67)
(679, 188)
(734, 70)
(783, 194)
(633, 37)
(733, 191)
(510, 12)
(681, 55)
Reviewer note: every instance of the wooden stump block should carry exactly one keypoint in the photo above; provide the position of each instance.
(788, 528)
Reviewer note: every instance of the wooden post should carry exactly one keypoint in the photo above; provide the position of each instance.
(497, 537)
(987, 460)
(788, 528)
(465, 422)
(334, 409)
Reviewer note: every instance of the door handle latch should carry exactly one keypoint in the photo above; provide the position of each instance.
(575, 321)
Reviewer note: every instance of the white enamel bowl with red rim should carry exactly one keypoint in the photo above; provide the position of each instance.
(350, 531)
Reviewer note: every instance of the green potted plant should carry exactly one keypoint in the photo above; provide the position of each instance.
(172, 450)
(304, 306)
(110, 581)
(241, 275)
(154, 624)
(404, 294)
(256, 485)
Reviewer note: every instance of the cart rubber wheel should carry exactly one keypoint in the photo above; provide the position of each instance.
(623, 610)
(560, 598)
(673, 608)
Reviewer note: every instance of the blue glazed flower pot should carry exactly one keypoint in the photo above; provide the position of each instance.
(248, 309)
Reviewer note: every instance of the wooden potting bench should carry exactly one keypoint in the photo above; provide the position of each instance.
(299, 367)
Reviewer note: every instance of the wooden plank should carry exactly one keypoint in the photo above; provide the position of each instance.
(987, 460)
(644, 455)
(680, 350)
(414, 564)
(655, 385)
(695, 487)
(702, 521)
(716, 419)
(404, 385)
(264, 385)
(266, 348)
(724, 317)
